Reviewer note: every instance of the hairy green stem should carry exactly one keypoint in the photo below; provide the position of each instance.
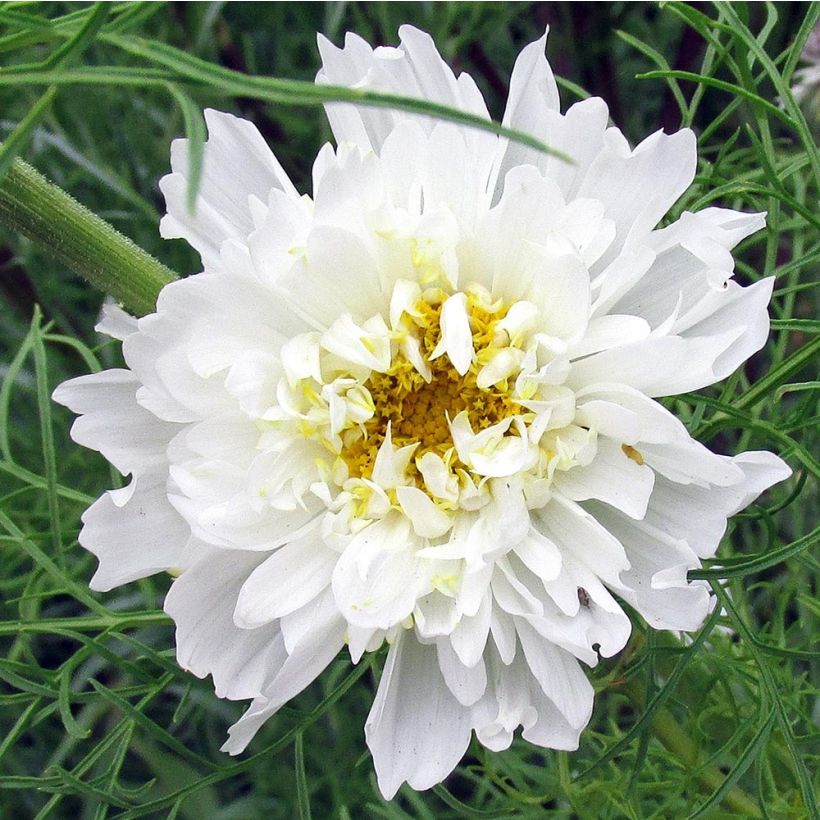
(68, 231)
(670, 734)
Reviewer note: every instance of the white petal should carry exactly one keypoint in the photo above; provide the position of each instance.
(504, 363)
(698, 515)
(571, 528)
(604, 332)
(415, 69)
(336, 275)
(438, 479)
(514, 231)
(467, 683)
(319, 647)
(561, 290)
(385, 594)
(135, 538)
(506, 703)
(688, 462)
(594, 621)
(511, 595)
(532, 93)
(231, 521)
(691, 267)
(598, 404)
(113, 423)
(648, 585)
(435, 614)
(416, 731)
(539, 555)
(491, 452)
(201, 602)
(558, 674)
(456, 336)
(368, 346)
(237, 165)
(502, 627)
(391, 462)
(361, 640)
(158, 354)
(638, 187)
(298, 626)
(114, 321)
(657, 366)
(429, 521)
(253, 379)
(551, 728)
(743, 310)
(612, 477)
(469, 637)
(232, 439)
(609, 419)
(290, 578)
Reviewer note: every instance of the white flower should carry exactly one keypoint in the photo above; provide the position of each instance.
(418, 408)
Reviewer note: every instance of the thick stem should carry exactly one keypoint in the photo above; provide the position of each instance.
(68, 231)
(670, 734)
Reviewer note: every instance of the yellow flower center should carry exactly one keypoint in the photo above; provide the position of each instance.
(418, 410)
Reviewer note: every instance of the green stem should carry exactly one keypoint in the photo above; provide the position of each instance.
(38, 209)
(670, 734)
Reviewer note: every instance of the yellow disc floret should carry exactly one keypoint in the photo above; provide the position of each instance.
(417, 410)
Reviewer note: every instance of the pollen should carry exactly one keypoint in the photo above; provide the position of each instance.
(631, 452)
(416, 410)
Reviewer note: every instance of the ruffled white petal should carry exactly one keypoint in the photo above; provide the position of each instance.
(416, 731)
(113, 423)
(658, 365)
(318, 646)
(115, 322)
(237, 168)
(559, 676)
(456, 336)
(637, 187)
(612, 477)
(201, 602)
(414, 69)
(377, 579)
(467, 683)
(578, 533)
(533, 95)
(656, 583)
(698, 515)
(291, 577)
(335, 275)
(134, 532)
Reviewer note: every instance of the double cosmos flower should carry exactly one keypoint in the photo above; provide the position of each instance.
(419, 409)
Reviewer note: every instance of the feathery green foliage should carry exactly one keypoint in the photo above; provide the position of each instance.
(96, 719)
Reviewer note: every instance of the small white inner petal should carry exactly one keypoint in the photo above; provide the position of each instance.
(418, 416)
(456, 334)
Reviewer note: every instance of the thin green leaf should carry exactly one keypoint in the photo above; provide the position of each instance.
(47, 435)
(77, 43)
(17, 141)
(295, 92)
(195, 133)
(302, 791)
(152, 728)
(741, 764)
(722, 85)
(44, 562)
(758, 563)
(768, 681)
